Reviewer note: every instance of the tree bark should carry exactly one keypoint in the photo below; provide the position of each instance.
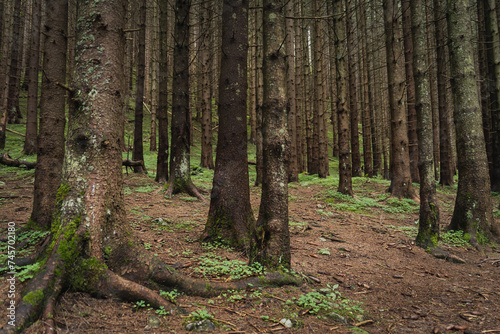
(32, 107)
(428, 223)
(231, 220)
(473, 207)
(138, 151)
(13, 91)
(400, 160)
(271, 245)
(50, 151)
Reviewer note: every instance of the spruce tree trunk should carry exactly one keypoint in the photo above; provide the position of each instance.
(473, 207)
(15, 62)
(271, 245)
(400, 159)
(50, 151)
(163, 147)
(345, 180)
(231, 220)
(138, 151)
(34, 60)
(428, 223)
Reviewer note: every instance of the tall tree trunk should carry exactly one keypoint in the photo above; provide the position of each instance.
(410, 92)
(428, 222)
(345, 180)
(162, 159)
(180, 160)
(260, 95)
(50, 151)
(495, 94)
(401, 185)
(473, 208)
(207, 159)
(353, 101)
(232, 220)
(299, 88)
(32, 107)
(154, 69)
(13, 92)
(271, 245)
(445, 151)
(138, 151)
(365, 89)
(293, 172)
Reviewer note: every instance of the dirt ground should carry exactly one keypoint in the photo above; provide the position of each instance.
(402, 288)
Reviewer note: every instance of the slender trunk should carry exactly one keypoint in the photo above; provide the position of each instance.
(494, 17)
(260, 95)
(13, 92)
(32, 107)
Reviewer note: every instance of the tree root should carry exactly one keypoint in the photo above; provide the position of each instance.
(189, 189)
(168, 276)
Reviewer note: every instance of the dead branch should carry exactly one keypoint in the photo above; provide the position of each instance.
(17, 133)
(5, 159)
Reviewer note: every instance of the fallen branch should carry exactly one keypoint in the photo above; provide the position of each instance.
(17, 133)
(5, 159)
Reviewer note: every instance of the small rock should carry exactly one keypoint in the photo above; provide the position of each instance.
(286, 322)
(454, 259)
(154, 322)
(337, 317)
(201, 326)
(439, 253)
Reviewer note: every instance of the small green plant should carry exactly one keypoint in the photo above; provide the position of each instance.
(215, 266)
(200, 315)
(140, 304)
(324, 251)
(147, 245)
(171, 296)
(455, 238)
(161, 312)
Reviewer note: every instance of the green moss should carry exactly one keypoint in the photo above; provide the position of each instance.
(85, 273)
(34, 297)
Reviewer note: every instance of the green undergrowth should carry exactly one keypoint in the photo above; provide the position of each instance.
(215, 266)
(446, 238)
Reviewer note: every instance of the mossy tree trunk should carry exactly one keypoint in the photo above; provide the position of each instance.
(473, 208)
(230, 217)
(428, 228)
(180, 159)
(50, 152)
(271, 245)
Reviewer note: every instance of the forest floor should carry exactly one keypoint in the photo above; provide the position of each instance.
(361, 250)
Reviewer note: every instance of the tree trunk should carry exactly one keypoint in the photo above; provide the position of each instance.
(207, 159)
(180, 166)
(400, 160)
(271, 245)
(32, 108)
(299, 89)
(138, 151)
(473, 207)
(260, 95)
(293, 172)
(445, 151)
(410, 92)
(345, 180)
(162, 159)
(50, 151)
(428, 223)
(13, 92)
(232, 220)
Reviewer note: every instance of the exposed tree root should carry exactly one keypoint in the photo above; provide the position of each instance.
(5, 159)
(24, 261)
(48, 313)
(189, 188)
(168, 276)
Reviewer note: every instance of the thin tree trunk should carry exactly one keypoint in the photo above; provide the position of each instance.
(299, 88)
(260, 95)
(428, 223)
(32, 107)
(410, 92)
(13, 92)
(138, 151)
(345, 180)
(50, 152)
(494, 16)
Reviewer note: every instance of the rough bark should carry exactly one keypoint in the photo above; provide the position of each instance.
(473, 207)
(50, 151)
(410, 92)
(138, 150)
(13, 86)
(260, 95)
(34, 60)
(232, 220)
(163, 147)
(401, 185)
(428, 223)
(345, 180)
(271, 245)
(180, 159)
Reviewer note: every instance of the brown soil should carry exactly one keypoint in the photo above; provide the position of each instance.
(403, 288)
